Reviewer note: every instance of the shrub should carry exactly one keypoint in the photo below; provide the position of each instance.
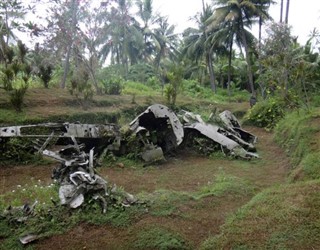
(81, 88)
(266, 113)
(113, 85)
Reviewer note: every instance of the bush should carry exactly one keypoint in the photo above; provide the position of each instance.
(266, 114)
(113, 85)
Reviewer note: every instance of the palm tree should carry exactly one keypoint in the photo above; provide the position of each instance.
(165, 41)
(11, 11)
(197, 46)
(225, 36)
(123, 40)
(263, 6)
(237, 15)
(145, 13)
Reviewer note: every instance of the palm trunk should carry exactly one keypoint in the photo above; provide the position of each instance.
(229, 67)
(73, 30)
(287, 11)
(211, 73)
(281, 11)
(261, 84)
(209, 59)
(249, 67)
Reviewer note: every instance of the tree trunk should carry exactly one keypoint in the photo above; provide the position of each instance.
(211, 73)
(281, 11)
(261, 84)
(209, 58)
(249, 67)
(66, 67)
(69, 49)
(287, 11)
(229, 67)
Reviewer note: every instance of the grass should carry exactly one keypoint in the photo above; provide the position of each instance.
(157, 237)
(136, 88)
(299, 134)
(224, 184)
(49, 219)
(283, 217)
(165, 202)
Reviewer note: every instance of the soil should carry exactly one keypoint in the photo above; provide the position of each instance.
(187, 171)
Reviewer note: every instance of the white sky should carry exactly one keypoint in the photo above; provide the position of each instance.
(303, 17)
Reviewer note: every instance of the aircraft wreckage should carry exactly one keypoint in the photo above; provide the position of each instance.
(152, 134)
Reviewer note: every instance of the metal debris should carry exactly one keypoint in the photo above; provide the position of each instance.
(161, 123)
(29, 238)
(79, 181)
(155, 132)
(224, 130)
(19, 214)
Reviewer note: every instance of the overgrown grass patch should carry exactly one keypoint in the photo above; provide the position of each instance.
(116, 216)
(157, 237)
(195, 90)
(48, 218)
(165, 202)
(299, 134)
(286, 216)
(137, 88)
(224, 184)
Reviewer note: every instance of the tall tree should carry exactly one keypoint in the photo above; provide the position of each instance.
(62, 32)
(123, 40)
(72, 30)
(165, 41)
(241, 14)
(145, 13)
(11, 13)
(196, 45)
(263, 6)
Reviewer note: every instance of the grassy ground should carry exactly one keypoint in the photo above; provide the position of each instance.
(192, 201)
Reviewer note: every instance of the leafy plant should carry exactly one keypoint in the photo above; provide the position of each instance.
(266, 113)
(81, 88)
(45, 74)
(175, 76)
(15, 77)
(17, 150)
(113, 85)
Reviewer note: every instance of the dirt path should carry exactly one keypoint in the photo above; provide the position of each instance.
(195, 220)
